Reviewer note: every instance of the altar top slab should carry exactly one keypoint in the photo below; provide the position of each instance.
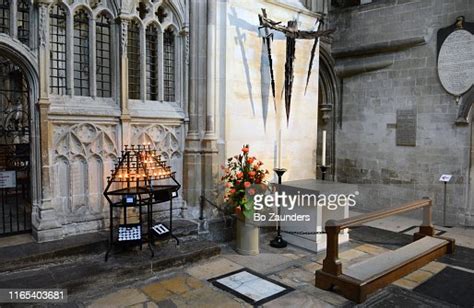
(319, 186)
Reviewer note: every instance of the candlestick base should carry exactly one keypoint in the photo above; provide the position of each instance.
(324, 169)
(278, 242)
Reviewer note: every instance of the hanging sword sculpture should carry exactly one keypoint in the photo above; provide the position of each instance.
(267, 40)
(292, 33)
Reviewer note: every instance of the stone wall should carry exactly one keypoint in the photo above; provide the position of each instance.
(81, 136)
(249, 110)
(376, 82)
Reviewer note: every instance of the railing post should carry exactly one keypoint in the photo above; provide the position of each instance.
(331, 263)
(201, 207)
(426, 227)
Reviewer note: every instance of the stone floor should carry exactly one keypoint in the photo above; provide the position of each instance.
(294, 267)
(188, 286)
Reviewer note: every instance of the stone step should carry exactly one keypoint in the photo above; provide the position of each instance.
(86, 277)
(30, 254)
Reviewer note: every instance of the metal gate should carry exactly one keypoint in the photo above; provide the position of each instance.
(15, 193)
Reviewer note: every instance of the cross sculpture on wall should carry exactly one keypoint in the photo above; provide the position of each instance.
(292, 33)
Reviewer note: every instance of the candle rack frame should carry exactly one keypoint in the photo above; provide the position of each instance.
(140, 179)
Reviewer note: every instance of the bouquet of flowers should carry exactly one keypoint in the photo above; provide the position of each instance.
(243, 172)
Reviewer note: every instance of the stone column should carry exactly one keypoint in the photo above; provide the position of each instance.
(209, 143)
(125, 118)
(45, 224)
(184, 94)
(192, 175)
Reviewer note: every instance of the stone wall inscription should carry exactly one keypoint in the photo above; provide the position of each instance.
(406, 128)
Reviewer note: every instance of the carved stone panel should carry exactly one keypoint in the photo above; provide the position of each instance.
(82, 155)
(166, 139)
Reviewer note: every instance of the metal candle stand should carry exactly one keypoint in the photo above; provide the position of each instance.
(278, 241)
(137, 181)
(324, 169)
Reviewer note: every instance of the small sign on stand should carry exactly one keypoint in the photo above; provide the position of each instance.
(7, 179)
(445, 178)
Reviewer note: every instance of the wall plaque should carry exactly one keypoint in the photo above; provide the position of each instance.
(7, 179)
(406, 127)
(456, 62)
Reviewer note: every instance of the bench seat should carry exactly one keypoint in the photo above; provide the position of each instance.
(373, 267)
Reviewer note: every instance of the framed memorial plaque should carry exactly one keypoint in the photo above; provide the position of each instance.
(456, 59)
(406, 127)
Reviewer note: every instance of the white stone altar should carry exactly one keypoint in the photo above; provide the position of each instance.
(318, 214)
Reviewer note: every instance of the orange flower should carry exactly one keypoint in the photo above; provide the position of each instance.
(252, 173)
(240, 175)
(247, 184)
(232, 191)
(228, 185)
(245, 149)
(250, 160)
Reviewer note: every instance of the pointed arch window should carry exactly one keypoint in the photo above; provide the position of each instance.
(4, 16)
(152, 62)
(81, 53)
(57, 73)
(169, 65)
(133, 54)
(103, 56)
(23, 21)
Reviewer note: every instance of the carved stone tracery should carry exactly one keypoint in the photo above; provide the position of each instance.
(82, 156)
(166, 139)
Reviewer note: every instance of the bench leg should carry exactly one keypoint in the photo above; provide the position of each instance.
(323, 282)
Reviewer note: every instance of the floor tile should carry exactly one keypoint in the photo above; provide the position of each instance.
(215, 268)
(262, 263)
(419, 276)
(294, 277)
(434, 267)
(122, 298)
(297, 299)
(207, 297)
(372, 249)
(405, 283)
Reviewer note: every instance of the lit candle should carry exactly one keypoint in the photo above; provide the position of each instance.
(324, 149)
(279, 149)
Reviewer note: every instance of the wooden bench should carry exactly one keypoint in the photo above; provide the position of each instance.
(363, 278)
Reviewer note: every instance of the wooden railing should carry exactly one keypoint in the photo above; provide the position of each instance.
(332, 264)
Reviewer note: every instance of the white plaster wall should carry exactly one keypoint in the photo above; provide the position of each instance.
(250, 115)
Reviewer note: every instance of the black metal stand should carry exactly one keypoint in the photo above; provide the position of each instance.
(162, 194)
(324, 169)
(445, 194)
(135, 180)
(124, 207)
(278, 241)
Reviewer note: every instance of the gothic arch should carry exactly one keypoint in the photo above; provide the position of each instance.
(22, 57)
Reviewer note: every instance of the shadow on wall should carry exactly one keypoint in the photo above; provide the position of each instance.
(240, 27)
